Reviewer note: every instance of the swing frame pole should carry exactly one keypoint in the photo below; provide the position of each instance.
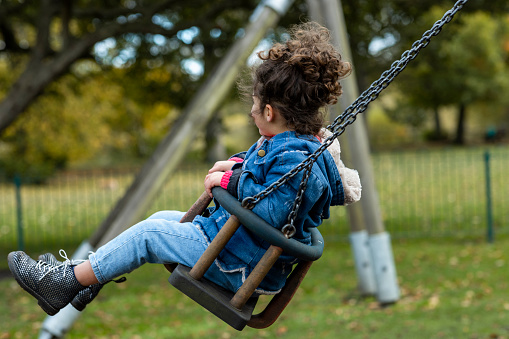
(370, 242)
(358, 237)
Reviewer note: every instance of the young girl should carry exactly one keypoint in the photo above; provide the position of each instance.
(290, 87)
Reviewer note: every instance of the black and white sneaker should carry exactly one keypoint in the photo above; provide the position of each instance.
(84, 297)
(54, 286)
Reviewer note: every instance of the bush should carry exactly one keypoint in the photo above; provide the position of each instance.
(387, 134)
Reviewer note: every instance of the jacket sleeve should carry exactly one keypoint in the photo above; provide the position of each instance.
(239, 157)
(230, 181)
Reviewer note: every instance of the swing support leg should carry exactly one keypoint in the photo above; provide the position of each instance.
(279, 302)
(198, 207)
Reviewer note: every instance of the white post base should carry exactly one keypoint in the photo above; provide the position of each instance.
(385, 270)
(363, 263)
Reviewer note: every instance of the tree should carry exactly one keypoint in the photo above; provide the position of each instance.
(54, 34)
(380, 31)
(479, 68)
(150, 46)
(44, 38)
(466, 64)
(150, 50)
(140, 66)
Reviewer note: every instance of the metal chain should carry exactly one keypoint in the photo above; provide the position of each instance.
(349, 116)
(289, 229)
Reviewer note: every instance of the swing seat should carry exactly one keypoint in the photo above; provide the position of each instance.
(236, 308)
(212, 297)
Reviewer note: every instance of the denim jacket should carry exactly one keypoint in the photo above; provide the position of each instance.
(264, 164)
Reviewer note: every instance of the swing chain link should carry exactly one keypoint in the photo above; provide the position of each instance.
(349, 116)
(289, 230)
(298, 199)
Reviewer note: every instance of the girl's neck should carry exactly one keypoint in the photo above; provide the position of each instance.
(277, 129)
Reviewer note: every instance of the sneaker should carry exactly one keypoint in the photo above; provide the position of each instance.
(53, 286)
(85, 296)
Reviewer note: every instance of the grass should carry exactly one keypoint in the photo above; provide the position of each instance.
(449, 289)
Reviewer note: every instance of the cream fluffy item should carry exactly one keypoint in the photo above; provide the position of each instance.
(351, 180)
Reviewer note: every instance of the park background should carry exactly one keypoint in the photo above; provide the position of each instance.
(438, 137)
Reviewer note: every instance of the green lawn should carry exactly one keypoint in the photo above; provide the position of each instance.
(450, 289)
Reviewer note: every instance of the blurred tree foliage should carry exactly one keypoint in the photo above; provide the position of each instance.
(111, 71)
(467, 65)
(78, 78)
(152, 54)
(379, 31)
(63, 126)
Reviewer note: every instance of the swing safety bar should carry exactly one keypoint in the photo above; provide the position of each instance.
(267, 232)
(236, 308)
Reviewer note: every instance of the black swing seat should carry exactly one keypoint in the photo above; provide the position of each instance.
(212, 297)
(236, 308)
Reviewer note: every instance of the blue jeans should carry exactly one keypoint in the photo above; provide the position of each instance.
(160, 239)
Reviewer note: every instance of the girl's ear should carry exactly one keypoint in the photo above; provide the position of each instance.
(268, 113)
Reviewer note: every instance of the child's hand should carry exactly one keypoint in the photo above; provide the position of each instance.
(222, 166)
(211, 180)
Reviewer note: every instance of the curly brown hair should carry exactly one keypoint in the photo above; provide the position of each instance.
(300, 76)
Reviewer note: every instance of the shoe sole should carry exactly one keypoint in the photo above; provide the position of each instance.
(78, 305)
(40, 300)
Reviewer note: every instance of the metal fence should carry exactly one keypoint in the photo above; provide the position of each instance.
(440, 193)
